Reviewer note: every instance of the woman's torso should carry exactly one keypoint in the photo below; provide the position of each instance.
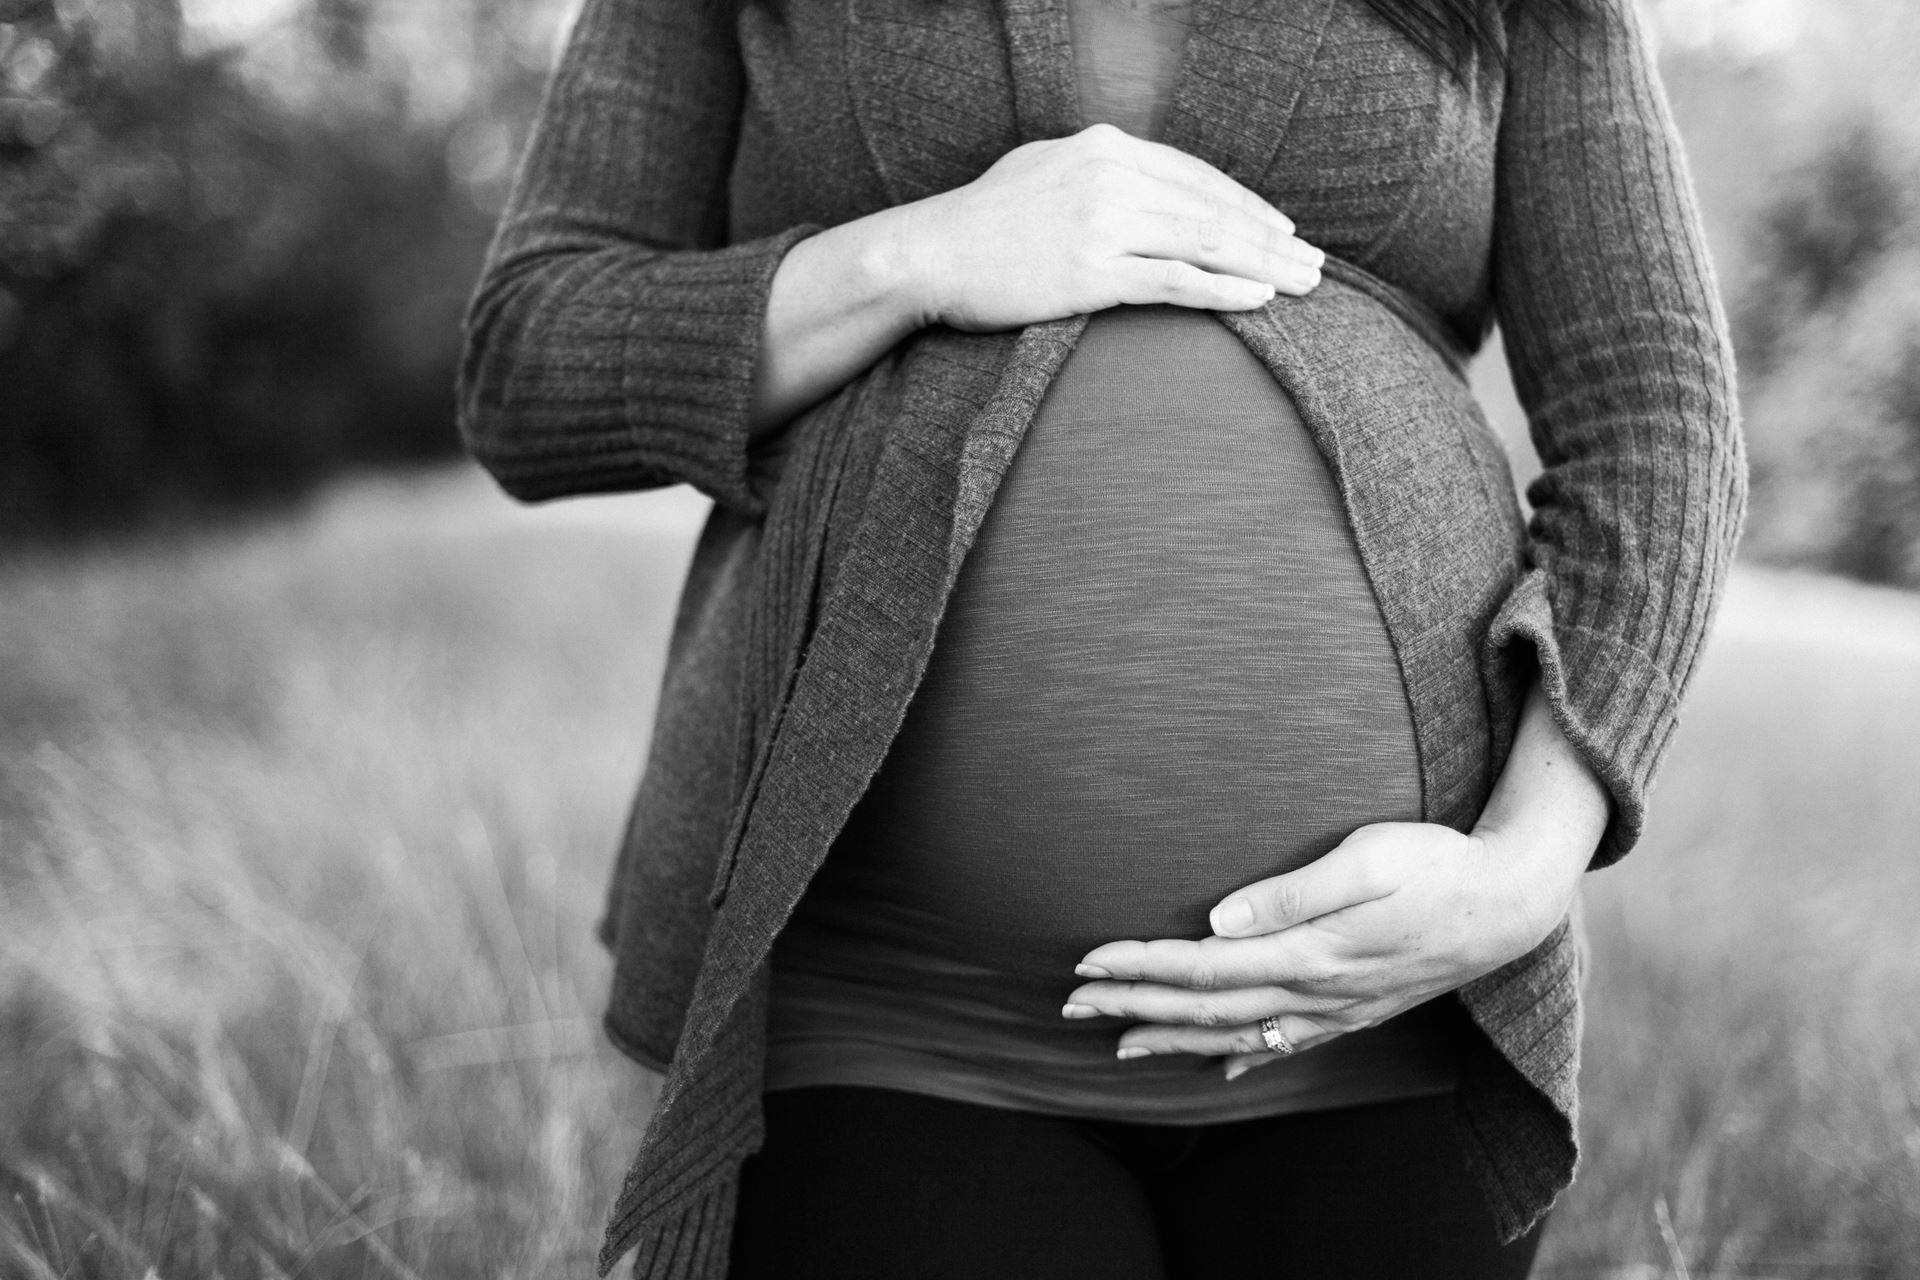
(1162, 675)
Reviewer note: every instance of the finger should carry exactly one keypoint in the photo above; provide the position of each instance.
(1335, 882)
(1206, 218)
(1241, 1063)
(1153, 1039)
(1157, 159)
(1207, 234)
(1296, 960)
(1217, 225)
(1156, 1002)
(1140, 281)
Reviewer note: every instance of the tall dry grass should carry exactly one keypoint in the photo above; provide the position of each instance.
(1753, 1041)
(303, 831)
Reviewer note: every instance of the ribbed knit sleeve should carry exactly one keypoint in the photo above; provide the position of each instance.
(1618, 343)
(612, 340)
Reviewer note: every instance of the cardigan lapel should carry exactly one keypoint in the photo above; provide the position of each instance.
(1040, 55)
(966, 402)
(932, 91)
(1231, 106)
(1245, 64)
(1241, 74)
(943, 91)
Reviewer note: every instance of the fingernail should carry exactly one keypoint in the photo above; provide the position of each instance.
(1316, 258)
(1131, 1051)
(1232, 916)
(1237, 1070)
(1091, 971)
(1078, 1011)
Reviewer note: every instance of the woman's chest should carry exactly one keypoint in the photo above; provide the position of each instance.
(1379, 155)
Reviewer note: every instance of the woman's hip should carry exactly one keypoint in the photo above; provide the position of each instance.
(858, 1182)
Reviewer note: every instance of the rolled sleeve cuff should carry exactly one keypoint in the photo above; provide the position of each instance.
(1616, 706)
(683, 356)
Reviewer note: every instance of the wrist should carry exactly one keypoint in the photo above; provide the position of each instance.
(895, 263)
(1536, 871)
(1545, 818)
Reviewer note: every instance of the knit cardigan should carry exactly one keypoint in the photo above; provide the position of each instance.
(684, 146)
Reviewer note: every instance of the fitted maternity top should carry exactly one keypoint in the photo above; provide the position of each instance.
(1162, 675)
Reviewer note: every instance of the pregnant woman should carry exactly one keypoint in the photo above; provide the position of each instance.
(1116, 660)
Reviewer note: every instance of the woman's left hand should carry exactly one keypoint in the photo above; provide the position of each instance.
(1398, 913)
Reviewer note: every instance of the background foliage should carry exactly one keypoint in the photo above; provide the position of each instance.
(220, 281)
(1798, 118)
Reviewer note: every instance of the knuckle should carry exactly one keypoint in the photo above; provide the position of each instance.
(1207, 1013)
(1105, 182)
(1210, 224)
(1176, 277)
(1159, 958)
(1024, 152)
(1383, 875)
(1097, 221)
(1371, 870)
(1313, 971)
(1287, 902)
(1202, 976)
(1098, 168)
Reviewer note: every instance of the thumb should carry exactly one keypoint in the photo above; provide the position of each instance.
(1345, 877)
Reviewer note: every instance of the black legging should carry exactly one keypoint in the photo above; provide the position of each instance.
(874, 1184)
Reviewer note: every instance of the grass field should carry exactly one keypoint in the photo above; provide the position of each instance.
(303, 830)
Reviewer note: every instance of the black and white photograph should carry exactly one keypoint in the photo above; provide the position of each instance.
(959, 639)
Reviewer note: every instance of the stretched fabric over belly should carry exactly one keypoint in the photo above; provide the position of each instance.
(1162, 675)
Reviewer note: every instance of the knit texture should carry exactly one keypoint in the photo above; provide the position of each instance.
(682, 149)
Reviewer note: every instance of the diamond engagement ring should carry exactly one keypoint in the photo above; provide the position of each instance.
(1270, 1032)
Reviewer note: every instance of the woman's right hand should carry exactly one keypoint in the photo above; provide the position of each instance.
(1053, 229)
(1092, 221)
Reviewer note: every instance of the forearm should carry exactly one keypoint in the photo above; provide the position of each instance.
(1545, 817)
(839, 301)
(610, 343)
(1605, 295)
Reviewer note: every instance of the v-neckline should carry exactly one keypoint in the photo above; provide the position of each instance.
(1045, 80)
(1046, 91)
(1126, 56)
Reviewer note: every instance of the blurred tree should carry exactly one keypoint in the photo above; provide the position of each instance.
(1879, 538)
(1832, 218)
(210, 295)
(1828, 330)
(342, 28)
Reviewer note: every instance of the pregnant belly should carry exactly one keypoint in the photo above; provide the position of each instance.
(1162, 675)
